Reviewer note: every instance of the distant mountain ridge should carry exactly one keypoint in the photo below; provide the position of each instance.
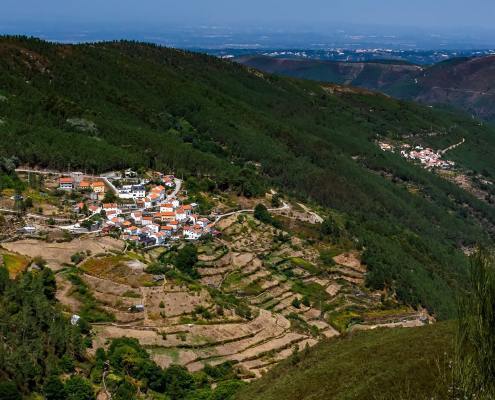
(463, 83)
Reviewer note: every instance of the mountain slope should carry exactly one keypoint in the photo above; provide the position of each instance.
(368, 75)
(364, 366)
(112, 105)
(463, 83)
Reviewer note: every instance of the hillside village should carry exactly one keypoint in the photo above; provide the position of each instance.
(427, 157)
(143, 211)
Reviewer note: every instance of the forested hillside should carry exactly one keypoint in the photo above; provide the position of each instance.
(107, 106)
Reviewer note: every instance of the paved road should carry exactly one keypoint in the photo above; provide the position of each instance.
(453, 146)
(178, 186)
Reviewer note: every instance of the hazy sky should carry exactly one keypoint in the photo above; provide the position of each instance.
(451, 14)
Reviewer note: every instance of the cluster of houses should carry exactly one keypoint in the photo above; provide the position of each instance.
(151, 218)
(96, 187)
(426, 156)
(158, 219)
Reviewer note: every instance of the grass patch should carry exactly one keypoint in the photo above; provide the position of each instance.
(315, 293)
(15, 263)
(384, 364)
(252, 289)
(132, 294)
(306, 265)
(90, 309)
(342, 320)
(232, 279)
(115, 268)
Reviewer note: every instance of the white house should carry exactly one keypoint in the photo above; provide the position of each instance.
(132, 230)
(137, 216)
(132, 192)
(148, 220)
(112, 207)
(66, 183)
(180, 214)
(166, 207)
(192, 233)
(160, 237)
(203, 222)
(174, 225)
(155, 227)
(167, 230)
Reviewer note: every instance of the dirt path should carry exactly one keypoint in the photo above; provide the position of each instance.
(317, 218)
(452, 147)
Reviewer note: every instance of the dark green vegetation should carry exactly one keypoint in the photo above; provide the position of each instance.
(475, 341)
(37, 341)
(463, 83)
(262, 214)
(113, 105)
(8, 178)
(365, 365)
(130, 368)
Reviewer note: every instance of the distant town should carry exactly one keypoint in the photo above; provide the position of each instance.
(428, 157)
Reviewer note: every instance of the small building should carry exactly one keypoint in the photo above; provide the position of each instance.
(84, 185)
(98, 187)
(167, 207)
(148, 220)
(136, 308)
(192, 233)
(180, 214)
(146, 240)
(108, 207)
(203, 222)
(159, 237)
(66, 183)
(166, 216)
(27, 230)
(74, 320)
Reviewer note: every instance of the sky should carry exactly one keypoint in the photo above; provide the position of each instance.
(440, 14)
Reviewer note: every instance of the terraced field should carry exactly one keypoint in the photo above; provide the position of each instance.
(262, 293)
(15, 263)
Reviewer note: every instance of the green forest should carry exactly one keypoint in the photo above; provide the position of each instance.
(97, 107)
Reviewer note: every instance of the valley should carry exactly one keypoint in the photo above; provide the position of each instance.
(460, 82)
(174, 225)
